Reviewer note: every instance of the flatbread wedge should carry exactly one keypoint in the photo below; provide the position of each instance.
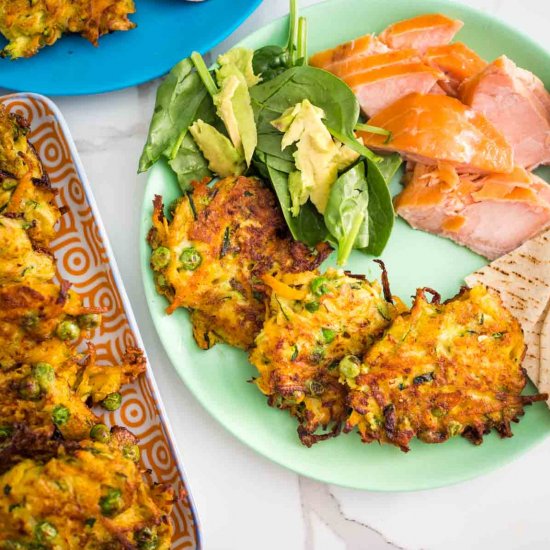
(522, 278)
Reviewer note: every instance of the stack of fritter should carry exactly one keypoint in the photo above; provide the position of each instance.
(29, 25)
(56, 489)
(335, 349)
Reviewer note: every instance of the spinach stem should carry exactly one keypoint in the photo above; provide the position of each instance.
(345, 245)
(373, 129)
(204, 73)
(302, 40)
(292, 31)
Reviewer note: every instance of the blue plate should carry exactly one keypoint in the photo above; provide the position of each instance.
(167, 31)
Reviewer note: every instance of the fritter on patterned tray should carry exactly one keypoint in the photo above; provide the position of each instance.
(20, 261)
(211, 256)
(314, 322)
(25, 189)
(91, 497)
(29, 25)
(38, 320)
(44, 397)
(442, 370)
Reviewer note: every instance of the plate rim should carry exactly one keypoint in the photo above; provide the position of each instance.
(150, 293)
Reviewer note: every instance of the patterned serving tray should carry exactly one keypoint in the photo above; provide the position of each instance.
(84, 257)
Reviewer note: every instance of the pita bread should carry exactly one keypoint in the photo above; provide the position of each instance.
(522, 278)
(544, 381)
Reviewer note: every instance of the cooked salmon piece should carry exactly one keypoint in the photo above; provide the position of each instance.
(353, 65)
(457, 61)
(382, 78)
(421, 32)
(360, 47)
(434, 127)
(492, 214)
(516, 102)
(380, 87)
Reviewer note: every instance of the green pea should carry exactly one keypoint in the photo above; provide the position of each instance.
(29, 389)
(160, 280)
(131, 452)
(312, 307)
(100, 433)
(89, 321)
(328, 335)
(67, 330)
(454, 427)
(315, 387)
(319, 286)
(60, 415)
(8, 184)
(5, 432)
(147, 539)
(190, 258)
(44, 375)
(29, 321)
(45, 531)
(349, 366)
(111, 503)
(160, 258)
(112, 402)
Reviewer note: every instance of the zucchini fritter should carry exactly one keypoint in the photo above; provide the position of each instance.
(25, 189)
(19, 260)
(442, 370)
(211, 256)
(34, 314)
(314, 321)
(45, 397)
(92, 497)
(29, 25)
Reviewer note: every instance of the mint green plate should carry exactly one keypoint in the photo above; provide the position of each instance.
(218, 377)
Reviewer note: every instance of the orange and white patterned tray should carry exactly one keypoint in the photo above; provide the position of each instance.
(84, 257)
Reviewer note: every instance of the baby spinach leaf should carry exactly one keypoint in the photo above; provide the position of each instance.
(309, 226)
(321, 88)
(380, 212)
(346, 215)
(270, 61)
(388, 166)
(179, 98)
(189, 164)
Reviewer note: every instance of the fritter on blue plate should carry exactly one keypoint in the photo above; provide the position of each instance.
(441, 370)
(211, 256)
(91, 497)
(314, 321)
(29, 25)
(25, 189)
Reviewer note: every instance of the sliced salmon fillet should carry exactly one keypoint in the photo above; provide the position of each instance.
(457, 61)
(421, 32)
(350, 66)
(434, 127)
(516, 102)
(380, 87)
(492, 214)
(360, 47)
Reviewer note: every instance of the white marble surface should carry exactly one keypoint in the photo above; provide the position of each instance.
(244, 501)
